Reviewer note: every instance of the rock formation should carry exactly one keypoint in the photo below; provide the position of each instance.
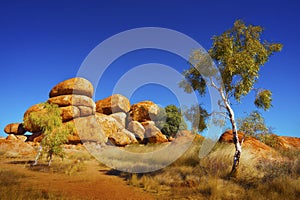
(120, 117)
(289, 142)
(15, 147)
(115, 131)
(144, 111)
(111, 120)
(228, 138)
(113, 104)
(154, 135)
(137, 129)
(71, 86)
(73, 97)
(15, 128)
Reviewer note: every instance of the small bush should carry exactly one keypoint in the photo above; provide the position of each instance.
(269, 139)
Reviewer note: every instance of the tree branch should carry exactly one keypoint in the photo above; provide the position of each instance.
(221, 113)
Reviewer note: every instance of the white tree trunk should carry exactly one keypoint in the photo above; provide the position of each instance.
(38, 155)
(50, 154)
(238, 147)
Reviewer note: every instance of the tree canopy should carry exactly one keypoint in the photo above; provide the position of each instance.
(171, 121)
(238, 54)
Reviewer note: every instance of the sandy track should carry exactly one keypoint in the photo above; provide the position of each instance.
(94, 183)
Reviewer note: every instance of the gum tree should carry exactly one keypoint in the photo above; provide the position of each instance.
(238, 54)
(54, 132)
(253, 124)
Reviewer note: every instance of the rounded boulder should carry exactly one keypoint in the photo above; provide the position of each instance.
(76, 85)
(113, 104)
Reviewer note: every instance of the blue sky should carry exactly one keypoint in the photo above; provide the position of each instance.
(45, 42)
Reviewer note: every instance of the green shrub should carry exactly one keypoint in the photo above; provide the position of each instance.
(269, 139)
(53, 130)
(170, 121)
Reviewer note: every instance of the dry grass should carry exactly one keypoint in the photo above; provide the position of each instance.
(138, 157)
(73, 163)
(192, 178)
(10, 188)
(187, 178)
(2, 153)
(69, 167)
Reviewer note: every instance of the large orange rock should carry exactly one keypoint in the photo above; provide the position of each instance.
(16, 148)
(252, 142)
(256, 145)
(120, 138)
(228, 137)
(72, 99)
(154, 135)
(115, 132)
(113, 104)
(69, 112)
(86, 111)
(29, 126)
(76, 85)
(289, 142)
(144, 111)
(120, 117)
(130, 135)
(108, 124)
(137, 129)
(88, 129)
(15, 128)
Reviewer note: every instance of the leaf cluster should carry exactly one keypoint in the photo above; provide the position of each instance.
(170, 121)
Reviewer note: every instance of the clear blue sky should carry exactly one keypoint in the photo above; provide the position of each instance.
(45, 42)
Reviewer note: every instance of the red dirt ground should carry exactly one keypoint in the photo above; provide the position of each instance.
(93, 183)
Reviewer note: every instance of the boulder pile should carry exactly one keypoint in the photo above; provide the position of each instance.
(111, 120)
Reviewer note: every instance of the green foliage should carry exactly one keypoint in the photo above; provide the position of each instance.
(238, 54)
(197, 116)
(263, 99)
(253, 124)
(170, 121)
(269, 139)
(54, 131)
